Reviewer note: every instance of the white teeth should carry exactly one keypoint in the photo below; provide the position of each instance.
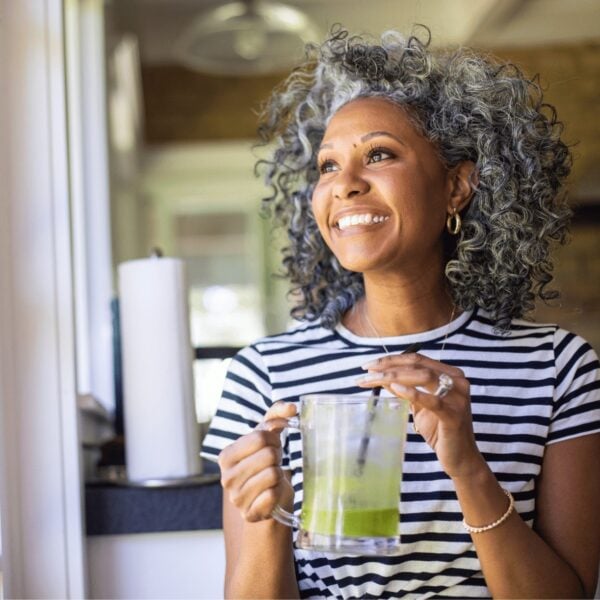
(364, 219)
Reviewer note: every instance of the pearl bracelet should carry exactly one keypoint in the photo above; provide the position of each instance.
(509, 511)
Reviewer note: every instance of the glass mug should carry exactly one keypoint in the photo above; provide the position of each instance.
(352, 457)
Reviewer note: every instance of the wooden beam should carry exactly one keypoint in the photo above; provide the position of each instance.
(184, 106)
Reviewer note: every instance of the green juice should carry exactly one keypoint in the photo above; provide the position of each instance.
(360, 522)
(365, 506)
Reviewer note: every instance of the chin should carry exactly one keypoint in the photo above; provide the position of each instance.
(356, 266)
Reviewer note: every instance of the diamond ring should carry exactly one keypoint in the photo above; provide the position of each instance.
(445, 384)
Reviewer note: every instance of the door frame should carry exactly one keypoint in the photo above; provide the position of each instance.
(41, 494)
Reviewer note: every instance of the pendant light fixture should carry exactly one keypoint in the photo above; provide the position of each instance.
(248, 38)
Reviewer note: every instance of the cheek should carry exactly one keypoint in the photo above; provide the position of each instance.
(319, 209)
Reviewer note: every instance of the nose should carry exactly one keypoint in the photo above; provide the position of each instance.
(348, 184)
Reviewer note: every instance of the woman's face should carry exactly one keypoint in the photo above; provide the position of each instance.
(383, 193)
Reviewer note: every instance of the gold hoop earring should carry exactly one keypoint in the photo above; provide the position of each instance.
(453, 223)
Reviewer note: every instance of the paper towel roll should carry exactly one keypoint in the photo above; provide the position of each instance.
(161, 431)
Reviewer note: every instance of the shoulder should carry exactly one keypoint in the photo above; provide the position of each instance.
(301, 335)
(519, 329)
(527, 333)
(547, 343)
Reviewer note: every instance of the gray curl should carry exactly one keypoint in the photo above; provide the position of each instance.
(471, 107)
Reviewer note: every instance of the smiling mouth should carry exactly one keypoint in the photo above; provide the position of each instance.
(362, 219)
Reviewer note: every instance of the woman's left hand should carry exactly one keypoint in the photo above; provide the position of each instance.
(445, 422)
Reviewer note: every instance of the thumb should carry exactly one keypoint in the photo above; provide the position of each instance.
(276, 417)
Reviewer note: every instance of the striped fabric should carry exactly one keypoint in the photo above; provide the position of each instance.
(535, 386)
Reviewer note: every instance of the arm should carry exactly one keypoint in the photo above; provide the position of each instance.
(557, 559)
(259, 557)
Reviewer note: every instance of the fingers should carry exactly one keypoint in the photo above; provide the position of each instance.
(411, 360)
(419, 399)
(410, 370)
(264, 504)
(253, 488)
(236, 475)
(408, 376)
(260, 494)
(251, 474)
(280, 409)
(265, 434)
(416, 378)
(424, 379)
(275, 418)
(246, 479)
(248, 445)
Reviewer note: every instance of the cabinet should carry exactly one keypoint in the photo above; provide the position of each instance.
(170, 565)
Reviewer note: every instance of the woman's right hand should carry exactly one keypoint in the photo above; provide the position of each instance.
(251, 473)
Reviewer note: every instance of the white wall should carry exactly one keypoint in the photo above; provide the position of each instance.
(179, 565)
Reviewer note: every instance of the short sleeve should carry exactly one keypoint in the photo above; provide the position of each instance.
(576, 410)
(245, 399)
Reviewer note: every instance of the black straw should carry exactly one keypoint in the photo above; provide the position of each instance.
(364, 442)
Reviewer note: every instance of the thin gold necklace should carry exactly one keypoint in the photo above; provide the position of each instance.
(368, 321)
(363, 314)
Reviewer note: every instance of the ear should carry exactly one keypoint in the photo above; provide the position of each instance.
(464, 179)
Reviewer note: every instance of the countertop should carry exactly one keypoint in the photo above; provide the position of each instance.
(121, 509)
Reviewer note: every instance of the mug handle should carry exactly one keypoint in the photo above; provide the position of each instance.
(280, 514)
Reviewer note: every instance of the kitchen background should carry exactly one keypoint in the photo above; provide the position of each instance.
(127, 125)
(184, 82)
(182, 95)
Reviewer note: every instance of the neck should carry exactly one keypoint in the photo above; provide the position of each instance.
(396, 309)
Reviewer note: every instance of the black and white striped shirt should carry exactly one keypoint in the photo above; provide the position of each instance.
(535, 386)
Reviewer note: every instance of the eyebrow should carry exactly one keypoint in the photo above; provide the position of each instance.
(373, 134)
(368, 136)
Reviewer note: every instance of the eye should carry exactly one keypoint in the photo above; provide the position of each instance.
(379, 154)
(327, 166)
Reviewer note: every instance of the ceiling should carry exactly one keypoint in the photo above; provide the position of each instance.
(482, 22)
(558, 38)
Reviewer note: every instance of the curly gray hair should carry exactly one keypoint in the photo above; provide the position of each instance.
(471, 107)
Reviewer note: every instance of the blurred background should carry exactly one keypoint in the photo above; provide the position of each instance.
(140, 117)
(184, 83)
(185, 79)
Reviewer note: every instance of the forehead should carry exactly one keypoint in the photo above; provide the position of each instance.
(370, 114)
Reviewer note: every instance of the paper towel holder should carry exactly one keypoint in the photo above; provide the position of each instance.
(156, 252)
(150, 327)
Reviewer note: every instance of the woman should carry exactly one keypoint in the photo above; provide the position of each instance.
(421, 193)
